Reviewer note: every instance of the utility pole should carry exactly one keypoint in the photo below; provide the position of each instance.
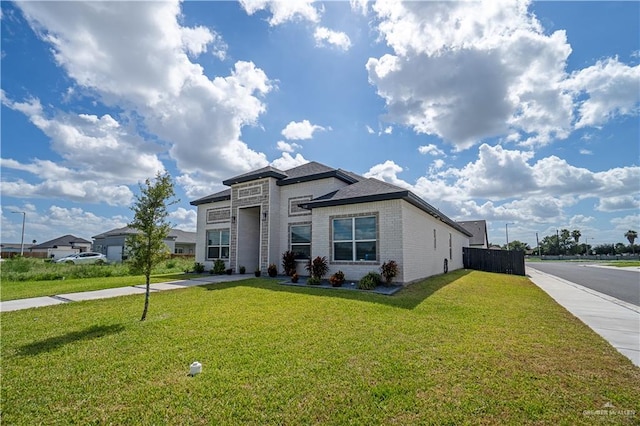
(538, 244)
(506, 228)
(24, 215)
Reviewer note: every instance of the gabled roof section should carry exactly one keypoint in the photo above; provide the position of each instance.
(370, 190)
(65, 240)
(218, 196)
(256, 174)
(175, 234)
(479, 230)
(314, 171)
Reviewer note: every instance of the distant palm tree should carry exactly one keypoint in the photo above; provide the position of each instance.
(631, 236)
(576, 235)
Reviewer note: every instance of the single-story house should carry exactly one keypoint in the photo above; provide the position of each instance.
(315, 210)
(112, 243)
(61, 247)
(478, 228)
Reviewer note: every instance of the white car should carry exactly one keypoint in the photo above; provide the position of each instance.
(83, 258)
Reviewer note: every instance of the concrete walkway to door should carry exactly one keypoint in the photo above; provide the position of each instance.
(36, 302)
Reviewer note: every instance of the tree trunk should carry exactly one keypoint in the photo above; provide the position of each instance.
(146, 301)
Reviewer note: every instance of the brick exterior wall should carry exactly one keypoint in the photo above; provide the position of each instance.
(421, 260)
(389, 236)
(203, 226)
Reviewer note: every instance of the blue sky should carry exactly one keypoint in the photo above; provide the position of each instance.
(513, 112)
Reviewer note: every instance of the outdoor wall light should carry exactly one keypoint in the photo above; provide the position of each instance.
(264, 215)
(233, 219)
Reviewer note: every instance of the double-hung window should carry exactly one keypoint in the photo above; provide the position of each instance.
(355, 239)
(218, 244)
(301, 241)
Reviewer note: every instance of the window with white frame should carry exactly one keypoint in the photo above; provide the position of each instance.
(300, 238)
(218, 244)
(355, 239)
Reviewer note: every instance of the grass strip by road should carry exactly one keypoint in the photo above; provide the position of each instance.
(462, 348)
(11, 290)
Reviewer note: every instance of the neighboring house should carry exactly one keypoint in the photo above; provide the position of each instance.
(315, 210)
(61, 247)
(112, 243)
(478, 228)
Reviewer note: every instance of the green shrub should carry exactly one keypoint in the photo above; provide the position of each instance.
(171, 263)
(198, 268)
(243, 269)
(218, 267)
(369, 281)
(314, 281)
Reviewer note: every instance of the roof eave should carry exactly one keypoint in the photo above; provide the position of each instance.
(257, 176)
(353, 200)
(324, 175)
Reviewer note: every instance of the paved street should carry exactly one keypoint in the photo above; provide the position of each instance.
(623, 284)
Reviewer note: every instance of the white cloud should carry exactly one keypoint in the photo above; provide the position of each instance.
(586, 152)
(287, 147)
(286, 161)
(430, 149)
(516, 188)
(612, 89)
(388, 130)
(338, 39)
(619, 203)
(467, 71)
(300, 130)
(283, 11)
(200, 118)
(369, 129)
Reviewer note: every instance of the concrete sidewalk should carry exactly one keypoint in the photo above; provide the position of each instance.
(616, 321)
(37, 302)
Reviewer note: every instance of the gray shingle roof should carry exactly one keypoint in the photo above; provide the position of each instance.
(370, 190)
(178, 235)
(256, 174)
(65, 240)
(478, 228)
(303, 173)
(218, 196)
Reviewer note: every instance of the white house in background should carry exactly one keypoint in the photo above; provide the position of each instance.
(112, 243)
(315, 210)
(478, 228)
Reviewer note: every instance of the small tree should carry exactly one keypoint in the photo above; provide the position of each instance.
(146, 248)
(631, 237)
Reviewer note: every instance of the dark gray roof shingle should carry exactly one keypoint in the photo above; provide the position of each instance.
(218, 196)
(65, 240)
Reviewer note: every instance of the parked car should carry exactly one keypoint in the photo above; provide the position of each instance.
(83, 258)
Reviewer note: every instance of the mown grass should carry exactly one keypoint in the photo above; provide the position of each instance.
(624, 263)
(24, 277)
(463, 348)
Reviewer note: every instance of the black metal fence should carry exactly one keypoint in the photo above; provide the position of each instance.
(500, 261)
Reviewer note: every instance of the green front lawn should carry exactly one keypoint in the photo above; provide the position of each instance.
(463, 348)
